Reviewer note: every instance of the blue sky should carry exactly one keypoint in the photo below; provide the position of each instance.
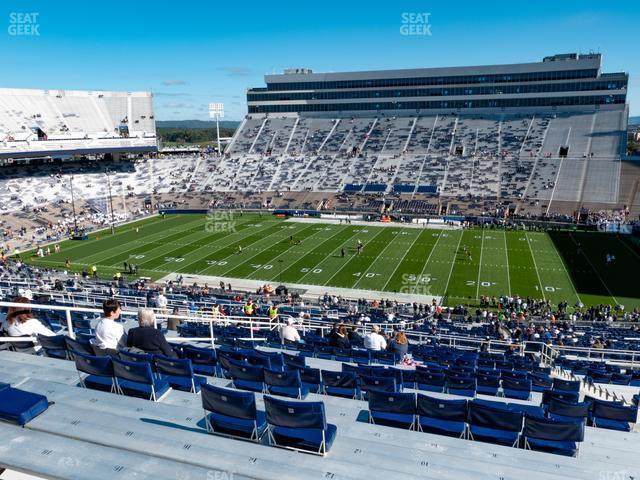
(192, 53)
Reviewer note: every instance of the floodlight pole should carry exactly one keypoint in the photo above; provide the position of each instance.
(73, 205)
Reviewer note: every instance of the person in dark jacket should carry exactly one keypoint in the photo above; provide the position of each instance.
(354, 337)
(341, 338)
(146, 337)
(399, 344)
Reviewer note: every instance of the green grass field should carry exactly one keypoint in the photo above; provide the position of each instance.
(408, 260)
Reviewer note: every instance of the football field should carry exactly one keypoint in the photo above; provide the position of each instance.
(461, 265)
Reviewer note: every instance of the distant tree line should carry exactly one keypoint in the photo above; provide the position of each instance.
(191, 135)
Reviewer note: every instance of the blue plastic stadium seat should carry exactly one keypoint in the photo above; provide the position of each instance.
(613, 415)
(179, 373)
(287, 383)
(204, 360)
(567, 396)
(464, 386)
(566, 385)
(430, 382)
(562, 410)
(246, 376)
(311, 379)
(294, 361)
(54, 346)
(516, 388)
(553, 436)
(79, 345)
(136, 379)
(99, 372)
(392, 409)
(20, 407)
(444, 417)
(488, 384)
(299, 425)
(232, 413)
(380, 384)
(341, 384)
(494, 424)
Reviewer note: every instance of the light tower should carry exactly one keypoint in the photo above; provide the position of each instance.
(216, 110)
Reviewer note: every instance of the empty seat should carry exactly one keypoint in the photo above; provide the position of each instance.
(554, 436)
(430, 382)
(342, 384)
(494, 423)
(19, 406)
(299, 426)
(179, 373)
(311, 379)
(613, 415)
(516, 388)
(287, 383)
(444, 417)
(232, 413)
(53, 346)
(82, 346)
(392, 409)
(136, 379)
(381, 384)
(559, 409)
(464, 386)
(99, 371)
(566, 385)
(203, 360)
(247, 376)
(488, 384)
(294, 361)
(567, 396)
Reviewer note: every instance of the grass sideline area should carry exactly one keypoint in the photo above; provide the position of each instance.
(460, 265)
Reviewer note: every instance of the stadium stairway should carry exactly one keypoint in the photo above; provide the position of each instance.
(173, 431)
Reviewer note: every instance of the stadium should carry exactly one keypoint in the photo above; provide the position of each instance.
(426, 271)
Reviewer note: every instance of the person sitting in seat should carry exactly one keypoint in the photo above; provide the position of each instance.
(288, 333)
(21, 322)
(147, 337)
(109, 334)
(399, 344)
(341, 338)
(374, 341)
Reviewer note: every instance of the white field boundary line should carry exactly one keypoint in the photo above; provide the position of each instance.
(198, 233)
(342, 245)
(480, 265)
(453, 262)
(595, 271)
(506, 254)
(564, 268)
(398, 235)
(528, 240)
(121, 248)
(402, 260)
(382, 230)
(287, 250)
(424, 267)
(278, 231)
(311, 252)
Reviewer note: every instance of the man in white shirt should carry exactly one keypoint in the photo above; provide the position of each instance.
(289, 332)
(374, 341)
(109, 334)
(162, 303)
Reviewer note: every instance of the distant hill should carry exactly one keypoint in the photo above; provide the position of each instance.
(196, 124)
(634, 120)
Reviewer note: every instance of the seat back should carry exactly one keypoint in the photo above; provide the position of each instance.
(565, 395)
(310, 375)
(98, 366)
(202, 356)
(56, 342)
(225, 401)
(392, 402)
(177, 367)
(286, 378)
(569, 409)
(455, 410)
(246, 371)
(516, 384)
(139, 372)
(294, 361)
(82, 346)
(490, 416)
(566, 385)
(135, 357)
(428, 378)
(614, 411)
(339, 379)
(381, 384)
(555, 430)
(288, 414)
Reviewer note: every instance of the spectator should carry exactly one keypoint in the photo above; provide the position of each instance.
(147, 337)
(399, 344)
(341, 338)
(354, 336)
(374, 341)
(109, 334)
(21, 322)
(162, 303)
(288, 333)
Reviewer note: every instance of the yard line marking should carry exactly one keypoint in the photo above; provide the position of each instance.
(536, 266)
(479, 265)
(446, 287)
(382, 230)
(427, 261)
(506, 253)
(287, 250)
(402, 260)
(379, 255)
(595, 270)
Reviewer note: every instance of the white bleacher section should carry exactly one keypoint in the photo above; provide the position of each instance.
(74, 120)
(490, 156)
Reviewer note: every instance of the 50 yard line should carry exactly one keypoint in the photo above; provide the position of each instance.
(506, 253)
(534, 265)
(479, 265)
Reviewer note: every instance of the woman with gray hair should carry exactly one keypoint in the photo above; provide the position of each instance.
(147, 337)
